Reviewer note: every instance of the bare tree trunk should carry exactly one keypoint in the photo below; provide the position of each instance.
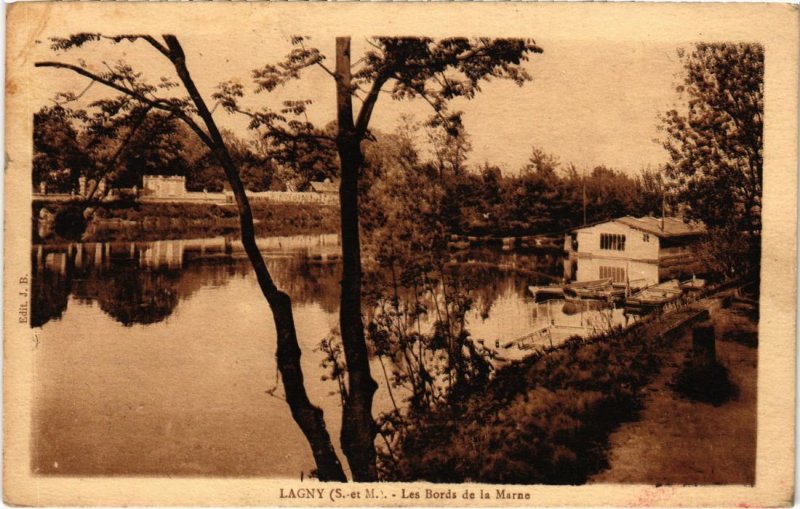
(358, 426)
(307, 416)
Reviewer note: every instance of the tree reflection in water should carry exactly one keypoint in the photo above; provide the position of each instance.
(49, 294)
(130, 295)
(143, 283)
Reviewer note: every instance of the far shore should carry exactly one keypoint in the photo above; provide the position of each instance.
(164, 221)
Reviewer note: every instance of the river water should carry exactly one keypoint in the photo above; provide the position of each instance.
(158, 358)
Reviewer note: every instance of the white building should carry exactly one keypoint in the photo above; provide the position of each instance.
(172, 189)
(163, 186)
(635, 250)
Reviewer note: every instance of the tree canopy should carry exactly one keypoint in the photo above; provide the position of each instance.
(715, 144)
(58, 157)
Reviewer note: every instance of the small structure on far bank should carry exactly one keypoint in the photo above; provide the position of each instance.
(172, 188)
(645, 250)
(164, 186)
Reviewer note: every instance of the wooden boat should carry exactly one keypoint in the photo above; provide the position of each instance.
(598, 289)
(543, 293)
(653, 297)
(693, 285)
(633, 285)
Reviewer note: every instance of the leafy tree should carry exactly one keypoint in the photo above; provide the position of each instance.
(136, 94)
(309, 158)
(655, 194)
(609, 194)
(542, 163)
(415, 302)
(154, 148)
(256, 168)
(58, 158)
(716, 144)
(436, 71)
(450, 148)
(535, 203)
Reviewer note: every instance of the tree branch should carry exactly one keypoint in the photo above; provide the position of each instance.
(282, 132)
(319, 63)
(132, 37)
(115, 157)
(325, 68)
(157, 45)
(159, 103)
(364, 115)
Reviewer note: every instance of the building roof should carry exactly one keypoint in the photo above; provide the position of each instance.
(673, 226)
(325, 187)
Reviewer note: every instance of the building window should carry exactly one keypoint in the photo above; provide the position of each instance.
(646, 237)
(612, 241)
(616, 274)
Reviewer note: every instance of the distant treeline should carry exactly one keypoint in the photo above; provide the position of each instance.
(68, 144)
(545, 199)
(156, 221)
(543, 196)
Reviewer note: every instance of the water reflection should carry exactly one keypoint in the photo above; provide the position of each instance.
(158, 358)
(142, 283)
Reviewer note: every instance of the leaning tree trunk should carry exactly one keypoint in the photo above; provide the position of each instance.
(358, 426)
(307, 416)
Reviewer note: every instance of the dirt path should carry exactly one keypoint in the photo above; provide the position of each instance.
(679, 441)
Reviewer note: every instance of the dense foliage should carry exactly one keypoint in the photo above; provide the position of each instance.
(58, 157)
(715, 145)
(417, 300)
(71, 143)
(544, 196)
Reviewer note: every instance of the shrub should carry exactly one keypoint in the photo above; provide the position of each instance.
(708, 385)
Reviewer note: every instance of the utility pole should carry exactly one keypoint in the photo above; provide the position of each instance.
(584, 196)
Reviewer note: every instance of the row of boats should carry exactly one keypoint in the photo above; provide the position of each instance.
(636, 296)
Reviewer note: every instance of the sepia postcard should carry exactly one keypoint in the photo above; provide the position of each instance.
(400, 254)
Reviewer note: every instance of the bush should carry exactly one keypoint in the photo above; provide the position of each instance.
(70, 223)
(709, 385)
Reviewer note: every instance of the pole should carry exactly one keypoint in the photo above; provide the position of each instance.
(627, 279)
(584, 196)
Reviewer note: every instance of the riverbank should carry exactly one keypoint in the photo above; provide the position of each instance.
(708, 444)
(548, 418)
(163, 221)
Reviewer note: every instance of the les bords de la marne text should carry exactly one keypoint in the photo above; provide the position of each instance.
(356, 493)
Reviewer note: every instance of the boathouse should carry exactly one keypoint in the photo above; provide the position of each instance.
(637, 250)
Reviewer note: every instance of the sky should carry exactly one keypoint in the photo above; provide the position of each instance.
(591, 102)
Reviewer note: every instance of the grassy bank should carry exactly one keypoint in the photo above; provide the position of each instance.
(545, 419)
(147, 221)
